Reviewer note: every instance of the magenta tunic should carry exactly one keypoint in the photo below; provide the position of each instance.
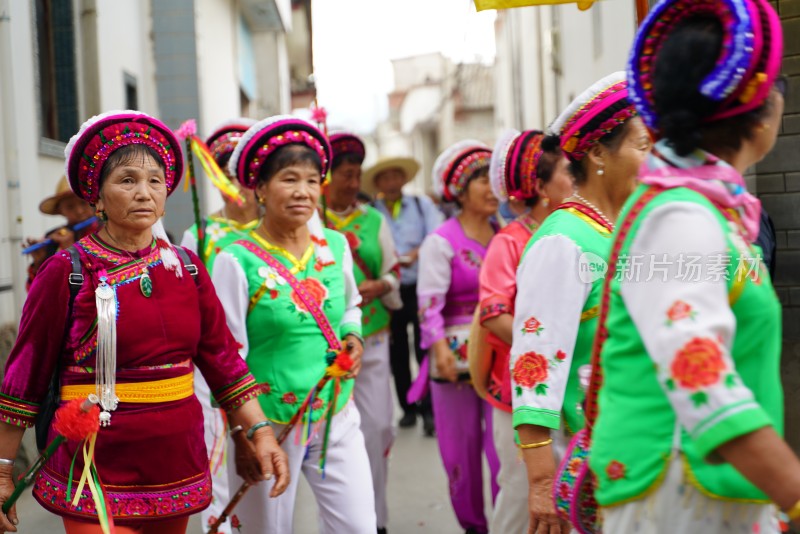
(152, 459)
(448, 295)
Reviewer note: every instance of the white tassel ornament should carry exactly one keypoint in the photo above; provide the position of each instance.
(106, 355)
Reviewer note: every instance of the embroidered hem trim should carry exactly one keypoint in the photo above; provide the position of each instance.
(147, 502)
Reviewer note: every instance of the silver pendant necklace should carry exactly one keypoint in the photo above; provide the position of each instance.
(145, 282)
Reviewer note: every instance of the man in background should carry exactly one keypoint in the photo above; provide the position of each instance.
(81, 221)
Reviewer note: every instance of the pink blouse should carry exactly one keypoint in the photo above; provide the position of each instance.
(498, 290)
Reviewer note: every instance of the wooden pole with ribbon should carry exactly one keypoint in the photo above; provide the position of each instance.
(642, 7)
(196, 147)
(77, 420)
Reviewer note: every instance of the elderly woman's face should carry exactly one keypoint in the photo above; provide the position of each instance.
(291, 195)
(134, 193)
(345, 183)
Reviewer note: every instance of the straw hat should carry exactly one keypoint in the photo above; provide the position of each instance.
(409, 166)
(49, 206)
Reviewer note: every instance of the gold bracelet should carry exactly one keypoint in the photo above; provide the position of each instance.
(544, 443)
(794, 512)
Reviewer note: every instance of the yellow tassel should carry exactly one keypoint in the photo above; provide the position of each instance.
(214, 173)
(87, 480)
(88, 458)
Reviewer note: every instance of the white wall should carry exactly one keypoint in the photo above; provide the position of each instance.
(582, 65)
(216, 27)
(133, 55)
(534, 42)
(29, 171)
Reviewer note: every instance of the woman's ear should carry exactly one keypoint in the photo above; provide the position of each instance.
(597, 155)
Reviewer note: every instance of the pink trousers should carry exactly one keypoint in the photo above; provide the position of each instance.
(464, 430)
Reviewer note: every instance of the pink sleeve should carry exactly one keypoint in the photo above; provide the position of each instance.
(218, 357)
(498, 279)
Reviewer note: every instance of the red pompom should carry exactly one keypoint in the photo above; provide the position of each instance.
(344, 361)
(75, 424)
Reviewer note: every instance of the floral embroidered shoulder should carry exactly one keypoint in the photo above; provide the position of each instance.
(158, 339)
(559, 282)
(283, 344)
(220, 232)
(693, 353)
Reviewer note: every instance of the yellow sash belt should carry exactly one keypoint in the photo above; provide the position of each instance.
(170, 389)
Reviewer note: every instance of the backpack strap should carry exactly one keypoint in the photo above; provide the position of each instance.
(75, 278)
(187, 262)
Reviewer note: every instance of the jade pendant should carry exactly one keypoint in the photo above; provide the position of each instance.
(146, 285)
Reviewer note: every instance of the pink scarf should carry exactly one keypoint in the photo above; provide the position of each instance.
(709, 176)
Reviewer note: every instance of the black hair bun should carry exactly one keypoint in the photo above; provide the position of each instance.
(551, 143)
(682, 129)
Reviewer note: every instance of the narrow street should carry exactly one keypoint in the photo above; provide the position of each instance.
(418, 498)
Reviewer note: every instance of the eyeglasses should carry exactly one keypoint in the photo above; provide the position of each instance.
(781, 84)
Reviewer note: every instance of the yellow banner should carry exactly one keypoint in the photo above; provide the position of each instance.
(505, 4)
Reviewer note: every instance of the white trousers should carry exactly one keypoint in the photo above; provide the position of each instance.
(677, 506)
(344, 496)
(215, 435)
(373, 396)
(511, 514)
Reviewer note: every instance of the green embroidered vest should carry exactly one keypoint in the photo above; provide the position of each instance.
(220, 233)
(594, 241)
(634, 434)
(362, 229)
(286, 346)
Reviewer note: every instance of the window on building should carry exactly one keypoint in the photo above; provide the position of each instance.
(131, 92)
(58, 88)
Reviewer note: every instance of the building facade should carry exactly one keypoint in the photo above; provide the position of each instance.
(63, 61)
(435, 103)
(548, 55)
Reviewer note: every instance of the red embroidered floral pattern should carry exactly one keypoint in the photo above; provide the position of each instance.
(561, 355)
(235, 523)
(193, 495)
(530, 369)
(698, 364)
(317, 404)
(615, 470)
(289, 398)
(532, 326)
(678, 311)
(318, 292)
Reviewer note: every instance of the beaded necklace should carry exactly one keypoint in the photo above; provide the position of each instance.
(595, 208)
